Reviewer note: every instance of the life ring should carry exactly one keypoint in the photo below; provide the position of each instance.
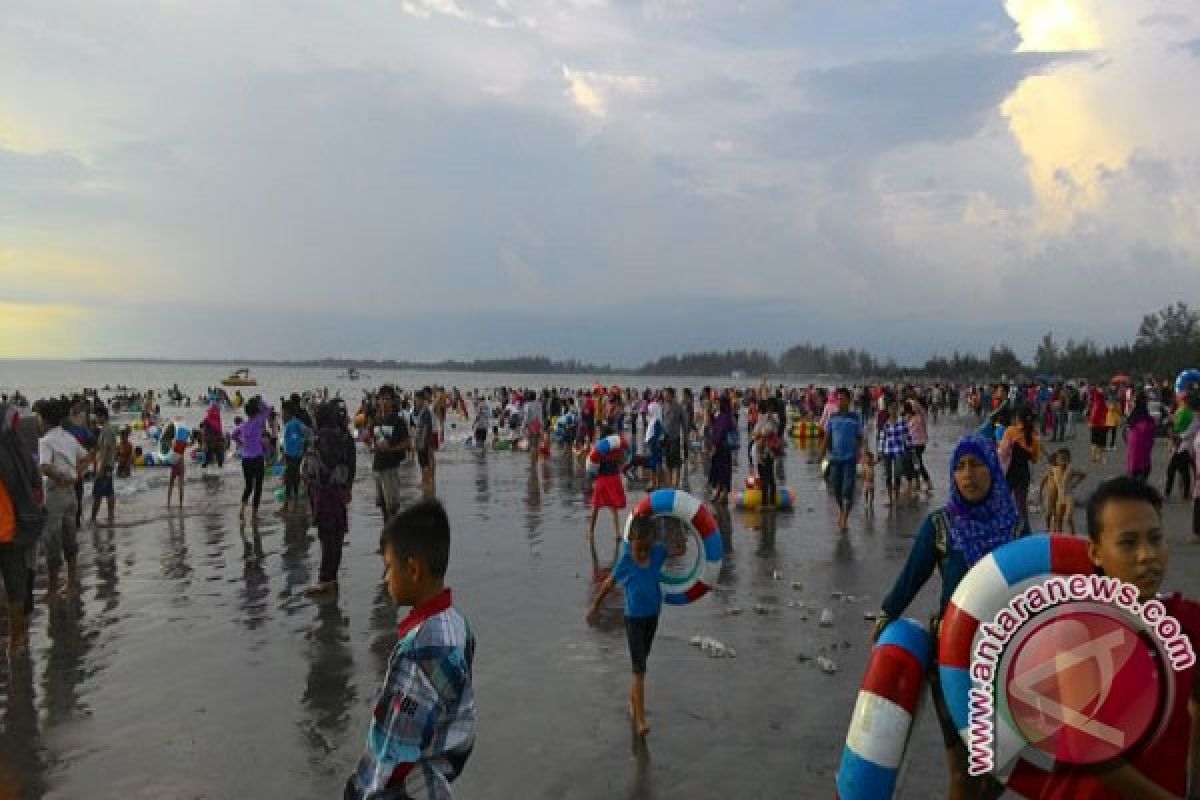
(984, 591)
(884, 713)
(752, 499)
(1186, 378)
(615, 444)
(684, 584)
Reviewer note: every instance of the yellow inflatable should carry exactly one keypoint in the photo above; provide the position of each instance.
(751, 499)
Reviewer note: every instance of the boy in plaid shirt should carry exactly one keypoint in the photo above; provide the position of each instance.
(423, 726)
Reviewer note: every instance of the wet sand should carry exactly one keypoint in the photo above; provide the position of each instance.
(192, 667)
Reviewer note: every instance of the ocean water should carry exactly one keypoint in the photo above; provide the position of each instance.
(50, 378)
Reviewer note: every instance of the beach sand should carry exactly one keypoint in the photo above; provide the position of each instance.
(193, 667)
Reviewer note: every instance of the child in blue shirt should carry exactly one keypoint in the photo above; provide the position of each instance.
(295, 439)
(637, 571)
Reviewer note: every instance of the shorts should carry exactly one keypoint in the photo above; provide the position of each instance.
(102, 488)
(60, 536)
(639, 632)
(841, 482)
(14, 571)
(1099, 437)
(608, 492)
(673, 453)
(177, 468)
(387, 484)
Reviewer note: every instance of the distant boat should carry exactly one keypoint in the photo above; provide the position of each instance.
(240, 378)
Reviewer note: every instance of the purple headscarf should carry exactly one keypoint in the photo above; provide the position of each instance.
(977, 529)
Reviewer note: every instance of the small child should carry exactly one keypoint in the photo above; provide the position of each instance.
(1055, 492)
(868, 478)
(638, 572)
(423, 727)
(177, 452)
(607, 490)
(125, 455)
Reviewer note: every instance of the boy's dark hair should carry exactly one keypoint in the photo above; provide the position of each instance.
(844, 392)
(421, 531)
(1122, 488)
(52, 411)
(642, 528)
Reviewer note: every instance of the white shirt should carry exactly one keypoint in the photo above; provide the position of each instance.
(61, 450)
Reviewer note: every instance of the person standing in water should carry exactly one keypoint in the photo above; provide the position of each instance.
(249, 438)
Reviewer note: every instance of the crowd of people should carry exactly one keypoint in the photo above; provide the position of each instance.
(423, 730)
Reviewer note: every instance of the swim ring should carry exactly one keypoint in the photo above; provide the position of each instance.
(984, 591)
(685, 582)
(1188, 377)
(884, 713)
(613, 444)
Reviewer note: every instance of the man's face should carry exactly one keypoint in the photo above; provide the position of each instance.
(843, 402)
(1131, 546)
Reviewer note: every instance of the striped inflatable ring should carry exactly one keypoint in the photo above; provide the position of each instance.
(685, 584)
(884, 713)
(1186, 379)
(615, 443)
(986, 589)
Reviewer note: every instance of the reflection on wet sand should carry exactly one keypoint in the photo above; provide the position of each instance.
(329, 689)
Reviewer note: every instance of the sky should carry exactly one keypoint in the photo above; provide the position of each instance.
(606, 179)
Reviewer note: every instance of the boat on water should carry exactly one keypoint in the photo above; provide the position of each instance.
(240, 377)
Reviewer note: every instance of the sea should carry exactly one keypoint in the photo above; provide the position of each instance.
(37, 379)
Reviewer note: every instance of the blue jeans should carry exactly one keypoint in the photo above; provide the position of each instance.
(841, 481)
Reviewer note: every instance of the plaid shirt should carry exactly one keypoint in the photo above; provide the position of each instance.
(894, 438)
(423, 727)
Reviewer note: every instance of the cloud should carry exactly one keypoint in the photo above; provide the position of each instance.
(516, 174)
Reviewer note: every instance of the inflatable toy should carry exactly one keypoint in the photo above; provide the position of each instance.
(884, 713)
(752, 499)
(990, 585)
(613, 445)
(688, 577)
(1186, 379)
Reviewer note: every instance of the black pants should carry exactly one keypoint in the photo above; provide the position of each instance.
(766, 482)
(917, 456)
(331, 553)
(215, 455)
(79, 504)
(253, 470)
(1180, 463)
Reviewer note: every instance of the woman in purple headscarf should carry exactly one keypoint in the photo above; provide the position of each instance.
(722, 447)
(980, 516)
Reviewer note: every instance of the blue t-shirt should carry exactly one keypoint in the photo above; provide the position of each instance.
(844, 431)
(294, 434)
(643, 594)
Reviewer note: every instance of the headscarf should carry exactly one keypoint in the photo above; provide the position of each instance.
(977, 529)
(653, 415)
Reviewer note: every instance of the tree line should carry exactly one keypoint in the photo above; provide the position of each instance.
(1166, 342)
